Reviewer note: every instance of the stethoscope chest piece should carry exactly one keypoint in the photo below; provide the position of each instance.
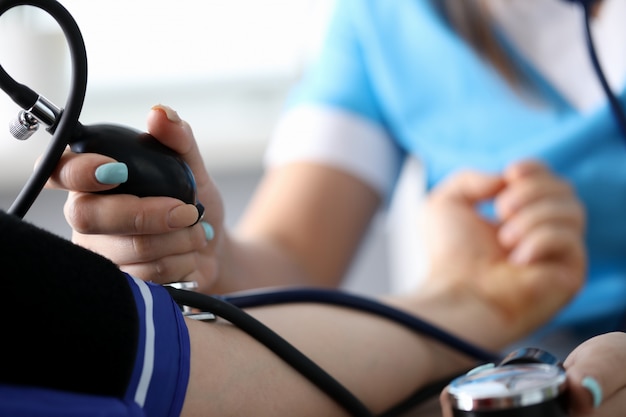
(513, 390)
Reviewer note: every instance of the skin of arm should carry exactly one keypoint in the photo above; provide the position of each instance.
(380, 362)
(324, 218)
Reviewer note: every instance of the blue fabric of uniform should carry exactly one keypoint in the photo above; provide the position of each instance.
(163, 353)
(398, 64)
(17, 401)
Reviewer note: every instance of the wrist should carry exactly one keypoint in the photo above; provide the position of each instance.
(513, 300)
(466, 316)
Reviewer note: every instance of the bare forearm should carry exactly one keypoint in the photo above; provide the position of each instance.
(379, 361)
(292, 234)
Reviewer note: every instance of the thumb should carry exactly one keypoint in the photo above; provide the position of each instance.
(593, 371)
(169, 129)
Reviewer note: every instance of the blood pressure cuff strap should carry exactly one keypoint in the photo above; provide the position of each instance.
(73, 323)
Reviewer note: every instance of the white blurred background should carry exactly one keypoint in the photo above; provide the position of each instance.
(224, 65)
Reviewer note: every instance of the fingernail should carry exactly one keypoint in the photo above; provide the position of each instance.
(170, 113)
(182, 216)
(112, 173)
(594, 388)
(208, 230)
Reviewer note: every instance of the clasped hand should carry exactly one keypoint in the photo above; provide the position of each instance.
(528, 260)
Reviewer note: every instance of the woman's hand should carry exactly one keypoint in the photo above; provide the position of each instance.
(596, 377)
(528, 262)
(153, 238)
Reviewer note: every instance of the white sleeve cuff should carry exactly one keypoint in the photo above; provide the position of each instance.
(339, 139)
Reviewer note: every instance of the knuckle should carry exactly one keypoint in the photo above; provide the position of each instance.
(142, 246)
(75, 215)
(160, 272)
(156, 271)
(71, 176)
(139, 221)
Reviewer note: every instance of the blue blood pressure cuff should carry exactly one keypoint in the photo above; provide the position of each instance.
(161, 371)
(76, 331)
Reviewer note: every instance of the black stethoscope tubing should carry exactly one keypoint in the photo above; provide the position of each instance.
(614, 102)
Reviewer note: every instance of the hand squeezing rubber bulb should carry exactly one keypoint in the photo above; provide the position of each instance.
(153, 168)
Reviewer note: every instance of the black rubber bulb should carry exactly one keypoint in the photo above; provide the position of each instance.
(153, 168)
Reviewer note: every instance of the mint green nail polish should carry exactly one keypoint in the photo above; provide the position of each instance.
(594, 388)
(112, 173)
(208, 231)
